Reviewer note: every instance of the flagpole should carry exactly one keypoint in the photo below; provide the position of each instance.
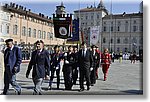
(110, 26)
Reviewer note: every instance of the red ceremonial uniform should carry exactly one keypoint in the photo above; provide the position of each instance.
(105, 62)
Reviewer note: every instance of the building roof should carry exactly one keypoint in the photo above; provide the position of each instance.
(22, 11)
(124, 15)
(100, 7)
(91, 10)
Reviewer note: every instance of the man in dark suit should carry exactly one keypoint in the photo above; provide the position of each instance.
(12, 61)
(69, 62)
(96, 60)
(85, 64)
(41, 65)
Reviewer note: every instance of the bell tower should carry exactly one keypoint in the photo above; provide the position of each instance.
(60, 10)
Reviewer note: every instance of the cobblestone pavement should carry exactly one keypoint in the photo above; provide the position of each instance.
(123, 79)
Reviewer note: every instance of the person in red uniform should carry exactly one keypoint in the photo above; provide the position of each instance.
(105, 62)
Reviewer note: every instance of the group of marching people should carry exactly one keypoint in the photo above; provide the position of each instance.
(80, 63)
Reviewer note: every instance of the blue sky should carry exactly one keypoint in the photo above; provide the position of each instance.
(49, 7)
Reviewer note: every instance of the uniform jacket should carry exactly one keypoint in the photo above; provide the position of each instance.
(40, 63)
(105, 58)
(14, 59)
(96, 59)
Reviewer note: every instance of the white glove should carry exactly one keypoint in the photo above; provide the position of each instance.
(91, 69)
(66, 62)
(65, 54)
(57, 67)
(77, 68)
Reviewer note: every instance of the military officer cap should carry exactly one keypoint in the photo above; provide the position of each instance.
(75, 46)
(94, 46)
(69, 46)
(9, 40)
(39, 41)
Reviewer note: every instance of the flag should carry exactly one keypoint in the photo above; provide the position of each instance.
(75, 31)
(94, 35)
(62, 27)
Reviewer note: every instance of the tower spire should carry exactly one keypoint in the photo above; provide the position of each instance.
(101, 5)
(62, 4)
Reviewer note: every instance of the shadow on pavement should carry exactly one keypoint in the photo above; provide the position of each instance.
(140, 92)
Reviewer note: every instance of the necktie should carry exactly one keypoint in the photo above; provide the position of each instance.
(83, 53)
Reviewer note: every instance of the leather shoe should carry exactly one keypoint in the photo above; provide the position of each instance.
(81, 90)
(49, 88)
(19, 92)
(88, 88)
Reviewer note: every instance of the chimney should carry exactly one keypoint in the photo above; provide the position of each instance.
(40, 14)
(6, 5)
(25, 9)
(13, 5)
(17, 6)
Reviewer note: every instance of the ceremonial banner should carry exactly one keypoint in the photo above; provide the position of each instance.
(75, 31)
(94, 35)
(62, 27)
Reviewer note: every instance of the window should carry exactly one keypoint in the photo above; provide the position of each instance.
(118, 29)
(141, 28)
(104, 29)
(134, 29)
(15, 29)
(1, 27)
(50, 36)
(141, 41)
(91, 17)
(134, 21)
(112, 22)
(126, 40)
(7, 29)
(119, 23)
(29, 32)
(44, 35)
(134, 40)
(24, 31)
(39, 34)
(86, 17)
(34, 33)
(97, 16)
(111, 28)
(111, 40)
(126, 27)
(104, 40)
(118, 41)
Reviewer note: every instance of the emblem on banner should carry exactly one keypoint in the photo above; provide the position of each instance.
(63, 31)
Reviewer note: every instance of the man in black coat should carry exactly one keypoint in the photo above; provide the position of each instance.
(40, 63)
(69, 62)
(96, 60)
(12, 61)
(85, 64)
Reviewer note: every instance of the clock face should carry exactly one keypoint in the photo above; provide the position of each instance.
(63, 31)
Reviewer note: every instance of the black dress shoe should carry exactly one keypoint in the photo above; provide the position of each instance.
(4, 93)
(49, 88)
(88, 88)
(81, 90)
(19, 92)
(92, 84)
